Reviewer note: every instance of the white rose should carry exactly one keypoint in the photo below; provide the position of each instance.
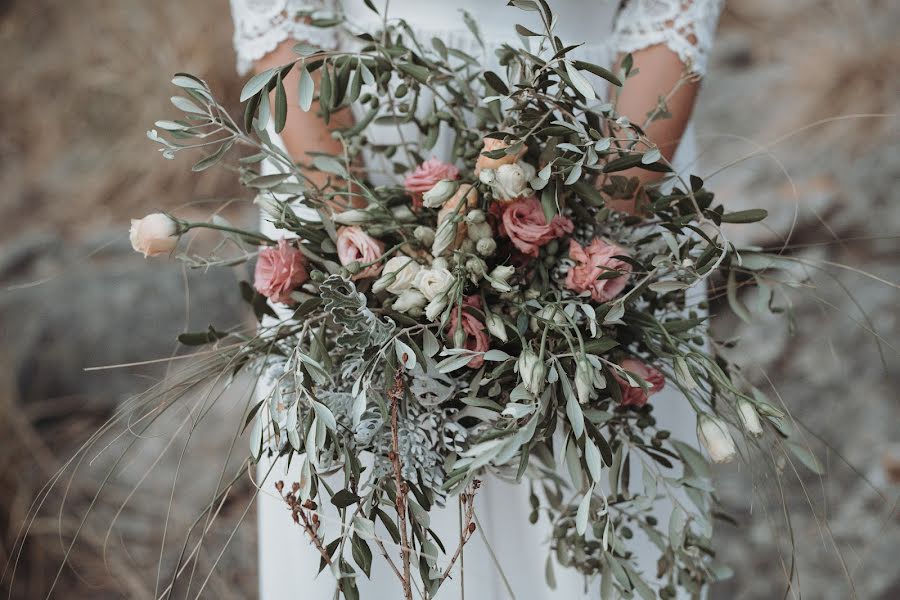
(424, 234)
(714, 436)
(486, 246)
(487, 176)
(154, 235)
(511, 181)
(439, 193)
(433, 282)
(749, 418)
(398, 275)
(408, 300)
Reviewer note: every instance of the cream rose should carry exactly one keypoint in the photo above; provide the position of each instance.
(408, 300)
(511, 181)
(154, 235)
(433, 282)
(398, 275)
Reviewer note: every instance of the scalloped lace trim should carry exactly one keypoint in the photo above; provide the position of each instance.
(687, 27)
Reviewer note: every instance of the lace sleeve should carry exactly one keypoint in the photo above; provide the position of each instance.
(687, 27)
(260, 25)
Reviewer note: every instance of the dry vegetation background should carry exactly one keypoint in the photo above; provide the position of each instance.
(83, 81)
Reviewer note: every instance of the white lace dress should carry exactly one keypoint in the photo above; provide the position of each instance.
(288, 565)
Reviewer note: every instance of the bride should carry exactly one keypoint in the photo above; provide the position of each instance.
(667, 39)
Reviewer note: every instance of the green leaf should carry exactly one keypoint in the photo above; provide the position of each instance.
(362, 554)
(325, 415)
(746, 216)
(584, 512)
(256, 84)
(213, 158)
(329, 164)
(580, 83)
(808, 459)
(598, 71)
(280, 105)
(344, 498)
(496, 83)
(201, 338)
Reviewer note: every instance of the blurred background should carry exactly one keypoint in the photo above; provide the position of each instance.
(83, 81)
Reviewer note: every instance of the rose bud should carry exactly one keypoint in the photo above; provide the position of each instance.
(714, 436)
(154, 235)
(442, 191)
(486, 246)
(749, 418)
(354, 216)
(424, 234)
(532, 371)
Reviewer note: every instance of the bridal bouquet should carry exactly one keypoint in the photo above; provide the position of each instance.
(487, 316)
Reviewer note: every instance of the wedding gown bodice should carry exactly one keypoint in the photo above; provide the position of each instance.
(685, 26)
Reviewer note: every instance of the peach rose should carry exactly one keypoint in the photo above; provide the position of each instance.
(476, 337)
(526, 226)
(355, 245)
(636, 396)
(279, 271)
(485, 162)
(153, 235)
(591, 263)
(425, 176)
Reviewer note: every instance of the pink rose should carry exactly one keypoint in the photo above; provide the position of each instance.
(636, 396)
(355, 245)
(154, 235)
(526, 226)
(592, 262)
(279, 271)
(425, 176)
(476, 337)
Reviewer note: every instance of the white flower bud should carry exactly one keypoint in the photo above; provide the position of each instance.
(424, 234)
(495, 326)
(154, 235)
(459, 337)
(487, 176)
(409, 300)
(479, 231)
(486, 246)
(440, 263)
(476, 267)
(532, 371)
(445, 236)
(435, 308)
(584, 379)
(499, 278)
(749, 418)
(403, 213)
(714, 436)
(398, 275)
(474, 216)
(354, 216)
(439, 193)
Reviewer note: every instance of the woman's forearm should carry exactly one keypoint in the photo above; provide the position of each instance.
(305, 131)
(661, 74)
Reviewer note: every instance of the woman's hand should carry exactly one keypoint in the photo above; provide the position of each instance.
(661, 74)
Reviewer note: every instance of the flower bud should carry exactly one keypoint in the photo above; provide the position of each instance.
(486, 246)
(435, 308)
(532, 371)
(154, 235)
(403, 213)
(584, 379)
(487, 176)
(424, 234)
(475, 216)
(354, 216)
(749, 418)
(409, 300)
(439, 193)
(479, 231)
(397, 276)
(495, 326)
(445, 236)
(459, 338)
(499, 278)
(714, 436)
(476, 267)
(440, 263)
